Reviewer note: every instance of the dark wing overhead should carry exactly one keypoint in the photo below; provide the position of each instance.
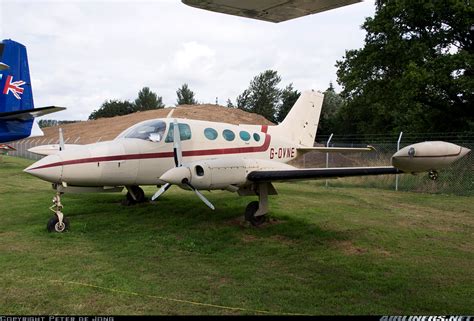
(315, 173)
(269, 10)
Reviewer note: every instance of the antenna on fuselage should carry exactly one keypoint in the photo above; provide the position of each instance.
(61, 140)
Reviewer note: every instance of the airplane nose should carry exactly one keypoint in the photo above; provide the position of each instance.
(48, 168)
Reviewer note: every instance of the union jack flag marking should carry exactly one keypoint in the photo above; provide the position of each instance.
(14, 87)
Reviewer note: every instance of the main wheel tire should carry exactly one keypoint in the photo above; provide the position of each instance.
(250, 211)
(54, 226)
(139, 194)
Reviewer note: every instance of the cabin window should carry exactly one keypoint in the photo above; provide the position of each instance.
(244, 136)
(210, 133)
(228, 135)
(256, 137)
(153, 130)
(184, 132)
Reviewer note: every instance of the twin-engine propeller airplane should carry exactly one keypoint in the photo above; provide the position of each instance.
(202, 155)
(269, 10)
(17, 110)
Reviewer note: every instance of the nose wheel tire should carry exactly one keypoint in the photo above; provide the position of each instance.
(250, 211)
(55, 226)
(138, 193)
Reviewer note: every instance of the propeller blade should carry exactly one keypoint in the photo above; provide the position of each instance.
(177, 152)
(163, 189)
(205, 200)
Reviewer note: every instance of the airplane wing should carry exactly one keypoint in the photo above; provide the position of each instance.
(269, 10)
(29, 113)
(321, 173)
(336, 149)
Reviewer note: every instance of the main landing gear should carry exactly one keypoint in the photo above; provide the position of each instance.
(256, 212)
(433, 175)
(134, 195)
(57, 223)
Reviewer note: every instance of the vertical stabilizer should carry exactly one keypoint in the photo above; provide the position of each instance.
(302, 121)
(15, 83)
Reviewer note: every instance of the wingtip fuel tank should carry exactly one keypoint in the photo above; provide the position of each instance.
(427, 156)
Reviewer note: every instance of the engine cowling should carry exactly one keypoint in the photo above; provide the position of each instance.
(222, 173)
(427, 156)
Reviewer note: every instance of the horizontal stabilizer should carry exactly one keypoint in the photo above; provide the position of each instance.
(3, 66)
(29, 113)
(336, 149)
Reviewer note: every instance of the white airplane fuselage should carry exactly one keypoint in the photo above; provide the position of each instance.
(140, 161)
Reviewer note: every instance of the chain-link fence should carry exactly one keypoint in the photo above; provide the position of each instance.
(457, 179)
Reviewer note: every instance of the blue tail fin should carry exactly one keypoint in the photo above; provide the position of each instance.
(15, 83)
(17, 110)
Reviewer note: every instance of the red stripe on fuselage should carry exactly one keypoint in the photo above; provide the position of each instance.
(204, 152)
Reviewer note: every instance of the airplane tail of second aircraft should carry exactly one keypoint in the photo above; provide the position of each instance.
(301, 123)
(17, 110)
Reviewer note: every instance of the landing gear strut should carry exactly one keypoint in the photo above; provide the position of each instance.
(255, 213)
(57, 223)
(134, 195)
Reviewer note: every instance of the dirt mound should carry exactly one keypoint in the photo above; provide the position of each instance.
(108, 128)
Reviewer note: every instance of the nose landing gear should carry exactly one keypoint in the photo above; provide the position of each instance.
(57, 223)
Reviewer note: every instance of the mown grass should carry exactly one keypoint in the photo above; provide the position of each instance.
(325, 251)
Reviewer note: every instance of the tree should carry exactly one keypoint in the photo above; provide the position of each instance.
(289, 96)
(332, 104)
(111, 108)
(148, 100)
(262, 96)
(185, 96)
(229, 103)
(415, 71)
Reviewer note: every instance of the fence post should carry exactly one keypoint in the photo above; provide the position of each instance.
(398, 148)
(327, 155)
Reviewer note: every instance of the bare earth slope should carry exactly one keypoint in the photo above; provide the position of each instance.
(108, 128)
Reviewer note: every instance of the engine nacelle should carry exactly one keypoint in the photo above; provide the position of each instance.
(224, 173)
(427, 156)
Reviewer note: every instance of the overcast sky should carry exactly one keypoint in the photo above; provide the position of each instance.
(84, 52)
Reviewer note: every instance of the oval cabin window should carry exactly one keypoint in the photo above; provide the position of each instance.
(210, 133)
(244, 136)
(228, 135)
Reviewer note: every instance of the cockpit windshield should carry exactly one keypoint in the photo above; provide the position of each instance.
(153, 130)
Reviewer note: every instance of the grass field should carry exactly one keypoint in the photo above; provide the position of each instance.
(325, 251)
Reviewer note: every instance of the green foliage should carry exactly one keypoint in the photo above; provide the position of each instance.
(289, 96)
(332, 104)
(229, 103)
(265, 98)
(112, 108)
(148, 100)
(185, 96)
(414, 72)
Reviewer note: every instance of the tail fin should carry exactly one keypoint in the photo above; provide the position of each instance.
(15, 84)
(302, 121)
(17, 110)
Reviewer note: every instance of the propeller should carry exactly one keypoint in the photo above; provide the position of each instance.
(180, 174)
